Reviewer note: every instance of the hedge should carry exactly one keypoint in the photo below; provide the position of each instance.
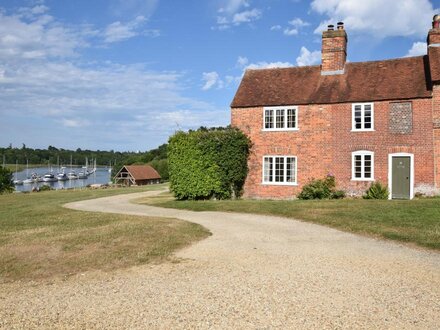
(208, 163)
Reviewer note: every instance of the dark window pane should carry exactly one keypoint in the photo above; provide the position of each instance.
(291, 118)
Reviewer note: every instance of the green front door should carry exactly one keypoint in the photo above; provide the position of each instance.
(401, 177)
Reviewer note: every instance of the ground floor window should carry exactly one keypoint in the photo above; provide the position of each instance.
(279, 169)
(362, 166)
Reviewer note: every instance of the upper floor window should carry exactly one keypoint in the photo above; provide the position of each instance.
(363, 117)
(280, 118)
(279, 170)
(362, 165)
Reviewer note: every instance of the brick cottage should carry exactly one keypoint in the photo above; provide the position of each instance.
(361, 122)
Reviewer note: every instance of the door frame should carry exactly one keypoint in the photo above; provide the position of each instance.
(390, 173)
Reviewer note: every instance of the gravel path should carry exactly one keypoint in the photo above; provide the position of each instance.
(255, 272)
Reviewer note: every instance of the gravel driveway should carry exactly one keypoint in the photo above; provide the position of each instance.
(255, 272)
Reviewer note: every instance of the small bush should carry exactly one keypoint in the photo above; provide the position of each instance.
(45, 188)
(321, 189)
(338, 194)
(376, 191)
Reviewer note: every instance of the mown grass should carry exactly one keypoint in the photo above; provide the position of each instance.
(416, 221)
(40, 239)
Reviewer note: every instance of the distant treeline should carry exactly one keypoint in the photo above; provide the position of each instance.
(156, 157)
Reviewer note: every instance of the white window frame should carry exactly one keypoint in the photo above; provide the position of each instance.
(362, 153)
(285, 108)
(284, 183)
(353, 122)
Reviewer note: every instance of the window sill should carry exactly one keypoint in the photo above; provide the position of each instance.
(360, 179)
(279, 129)
(279, 183)
(363, 130)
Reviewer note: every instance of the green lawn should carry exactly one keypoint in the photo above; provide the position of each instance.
(416, 221)
(40, 239)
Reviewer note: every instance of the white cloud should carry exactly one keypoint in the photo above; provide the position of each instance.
(232, 80)
(269, 65)
(418, 48)
(242, 61)
(30, 12)
(211, 79)
(31, 33)
(235, 13)
(293, 27)
(110, 98)
(307, 57)
(290, 32)
(232, 6)
(47, 87)
(378, 18)
(74, 122)
(298, 23)
(133, 8)
(246, 16)
(36, 37)
(118, 31)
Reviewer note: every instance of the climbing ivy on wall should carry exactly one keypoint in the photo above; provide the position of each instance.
(208, 163)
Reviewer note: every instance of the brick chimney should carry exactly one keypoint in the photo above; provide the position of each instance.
(434, 33)
(334, 50)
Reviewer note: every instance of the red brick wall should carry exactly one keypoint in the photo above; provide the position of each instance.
(436, 135)
(324, 143)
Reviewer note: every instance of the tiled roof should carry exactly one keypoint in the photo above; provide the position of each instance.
(434, 63)
(404, 78)
(142, 172)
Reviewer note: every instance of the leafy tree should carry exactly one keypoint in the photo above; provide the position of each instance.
(161, 166)
(208, 163)
(6, 183)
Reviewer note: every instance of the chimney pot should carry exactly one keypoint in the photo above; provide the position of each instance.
(331, 27)
(340, 25)
(436, 22)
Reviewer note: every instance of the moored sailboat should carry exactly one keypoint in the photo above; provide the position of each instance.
(17, 182)
(62, 176)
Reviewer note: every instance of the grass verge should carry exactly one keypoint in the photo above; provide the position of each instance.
(415, 222)
(40, 239)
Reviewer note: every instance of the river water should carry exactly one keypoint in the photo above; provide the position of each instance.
(101, 176)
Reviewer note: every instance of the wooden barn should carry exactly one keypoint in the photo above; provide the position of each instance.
(137, 175)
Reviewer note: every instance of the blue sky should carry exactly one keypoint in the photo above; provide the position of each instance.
(126, 74)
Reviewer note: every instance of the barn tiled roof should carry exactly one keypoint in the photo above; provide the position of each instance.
(404, 78)
(142, 172)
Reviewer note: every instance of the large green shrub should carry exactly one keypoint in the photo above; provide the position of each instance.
(208, 163)
(376, 191)
(321, 189)
(6, 181)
